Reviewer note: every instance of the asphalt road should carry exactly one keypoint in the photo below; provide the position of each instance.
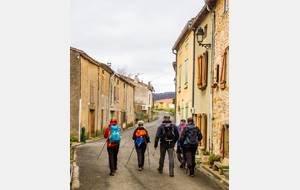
(94, 174)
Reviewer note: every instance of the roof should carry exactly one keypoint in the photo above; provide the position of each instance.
(150, 87)
(170, 100)
(186, 30)
(93, 61)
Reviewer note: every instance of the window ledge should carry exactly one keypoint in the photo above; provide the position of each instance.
(185, 87)
(202, 87)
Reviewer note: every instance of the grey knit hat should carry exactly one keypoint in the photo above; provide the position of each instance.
(166, 117)
(141, 123)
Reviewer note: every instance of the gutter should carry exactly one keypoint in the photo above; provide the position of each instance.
(211, 76)
(193, 82)
(175, 68)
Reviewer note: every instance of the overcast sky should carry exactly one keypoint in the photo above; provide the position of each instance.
(137, 33)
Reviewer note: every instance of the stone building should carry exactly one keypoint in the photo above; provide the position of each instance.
(220, 83)
(89, 81)
(121, 103)
(143, 99)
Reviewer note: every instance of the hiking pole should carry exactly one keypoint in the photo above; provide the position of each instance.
(130, 155)
(154, 152)
(102, 149)
(148, 157)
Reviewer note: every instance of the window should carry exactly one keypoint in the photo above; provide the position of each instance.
(225, 6)
(102, 85)
(202, 70)
(118, 82)
(205, 32)
(202, 124)
(179, 86)
(224, 142)
(187, 111)
(186, 72)
(186, 42)
(180, 50)
(223, 74)
(102, 71)
(92, 94)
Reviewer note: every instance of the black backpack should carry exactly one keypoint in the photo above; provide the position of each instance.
(168, 132)
(191, 135)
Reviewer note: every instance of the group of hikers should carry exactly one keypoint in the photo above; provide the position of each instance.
(186, 135)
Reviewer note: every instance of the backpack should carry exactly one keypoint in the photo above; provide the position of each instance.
(140, 133)
(181, 127)
(114, 134)
(168, 132)
(191, 135)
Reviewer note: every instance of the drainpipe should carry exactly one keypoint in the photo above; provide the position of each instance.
(175, 112)
(126, 104)
(79, 120)
(110, 96)
(211, 76)
(193, 83)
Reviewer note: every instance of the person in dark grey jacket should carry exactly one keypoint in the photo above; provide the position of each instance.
(189, 149)
(166, 145)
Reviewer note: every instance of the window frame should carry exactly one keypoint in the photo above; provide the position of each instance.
(186, 72)
(202, 70)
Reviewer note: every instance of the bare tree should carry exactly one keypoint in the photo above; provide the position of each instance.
(124, 71)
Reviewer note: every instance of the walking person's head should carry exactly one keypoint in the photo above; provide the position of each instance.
(183, 120)
(141, 123)
(190, 119)
(166, 117)
(113, 120)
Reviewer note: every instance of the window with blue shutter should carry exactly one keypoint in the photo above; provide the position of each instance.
(187, 111)
(180, 50)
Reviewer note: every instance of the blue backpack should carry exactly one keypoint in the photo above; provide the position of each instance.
(191, 135)
(115, 134)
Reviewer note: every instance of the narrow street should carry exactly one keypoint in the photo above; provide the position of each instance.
(94, 174)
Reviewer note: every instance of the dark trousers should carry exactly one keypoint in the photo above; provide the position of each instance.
(113, 157)
(180, 154)
(140, 154)
(190, 156)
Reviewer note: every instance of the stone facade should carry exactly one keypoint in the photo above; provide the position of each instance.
(221, 96)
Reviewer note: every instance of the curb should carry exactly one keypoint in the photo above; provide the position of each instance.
(222, 183)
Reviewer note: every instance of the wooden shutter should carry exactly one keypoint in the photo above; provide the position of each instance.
(92, 93)
(222, 141)
(179, 77)
(205, 68)
(118, 93)
(223, 69)
(199, 70)
(199, 125)
(204, 130)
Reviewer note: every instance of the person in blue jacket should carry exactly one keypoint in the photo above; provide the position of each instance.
(180, 158)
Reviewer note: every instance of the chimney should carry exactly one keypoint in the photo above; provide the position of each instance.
(136, 79)
(109, 65)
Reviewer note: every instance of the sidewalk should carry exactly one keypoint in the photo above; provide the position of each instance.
(220, 179)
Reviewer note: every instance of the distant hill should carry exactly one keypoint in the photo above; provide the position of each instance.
(164, 95)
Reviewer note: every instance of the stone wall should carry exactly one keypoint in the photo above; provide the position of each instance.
(74, 93)
(220, 97)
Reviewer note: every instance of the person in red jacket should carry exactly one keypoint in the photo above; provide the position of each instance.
(112, 148)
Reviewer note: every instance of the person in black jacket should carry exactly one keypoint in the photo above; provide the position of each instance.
(190, 149)
(141, 147)
(166, 144)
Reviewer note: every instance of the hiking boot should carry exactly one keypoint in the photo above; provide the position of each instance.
(171, 175)
(140, 168)
(160, 171)
(181, 165)
(191, 173)
(112, 173)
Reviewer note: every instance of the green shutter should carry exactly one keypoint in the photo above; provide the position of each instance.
(179, 77)
(186, 71)
(187, 111)
(186, 42)
(180, 51)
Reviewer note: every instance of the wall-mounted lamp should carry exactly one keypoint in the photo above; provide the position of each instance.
(200, 34)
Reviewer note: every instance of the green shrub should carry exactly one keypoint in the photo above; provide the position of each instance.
(224, 167)
(205, 153)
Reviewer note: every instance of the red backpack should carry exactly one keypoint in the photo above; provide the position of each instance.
(181, 126)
